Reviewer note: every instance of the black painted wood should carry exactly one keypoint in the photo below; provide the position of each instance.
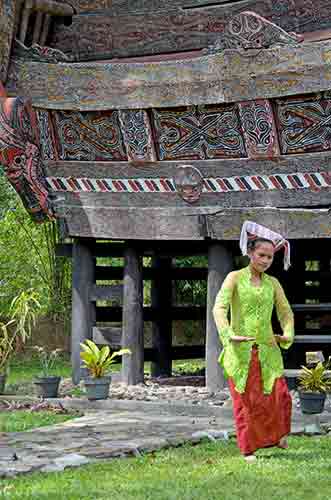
(133, 321)
(220, 263)
(83, 309)
(161, 294)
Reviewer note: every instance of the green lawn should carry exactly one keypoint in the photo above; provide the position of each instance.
(25, 368)
(210, 471)
(23, 420)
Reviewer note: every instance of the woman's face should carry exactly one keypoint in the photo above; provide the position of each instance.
(262, 256)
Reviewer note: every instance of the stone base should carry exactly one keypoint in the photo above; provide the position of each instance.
(312, 424)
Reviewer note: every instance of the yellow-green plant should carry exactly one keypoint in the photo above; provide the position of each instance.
(7, 342)
(23, 310)
(98, 361)
(314, 379)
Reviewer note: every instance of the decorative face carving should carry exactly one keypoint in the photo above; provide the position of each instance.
(189, 183)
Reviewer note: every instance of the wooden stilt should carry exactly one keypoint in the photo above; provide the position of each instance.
(25, 21)
(45, 29)
(133, 321)
(37, 27)
(162, 326)
(83, 310)
(220, 263)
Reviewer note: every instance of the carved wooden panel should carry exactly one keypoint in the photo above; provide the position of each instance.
(46, 132)
(231, 76)
(20, 156)
(173, 29)
(304, 124)
(259, 128)
(7, 26)
(89, 136)
(198, 133)
(137, 133)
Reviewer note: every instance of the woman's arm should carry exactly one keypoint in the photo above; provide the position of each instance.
(285, 316)
(221, 308)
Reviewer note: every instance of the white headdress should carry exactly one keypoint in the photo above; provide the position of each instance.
(252, 231)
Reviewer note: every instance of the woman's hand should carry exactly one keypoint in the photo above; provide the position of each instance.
(241, 338)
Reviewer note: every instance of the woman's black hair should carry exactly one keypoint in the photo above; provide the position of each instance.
(252, 244)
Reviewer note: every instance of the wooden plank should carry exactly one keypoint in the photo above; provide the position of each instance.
(259, 128)
(7, 32)
(108, 34)
(220, 263)
(161, 298)
(137, 135)
(312, 339)
(83, 310)
(294, 373)
(147, 248)
(107, 335)
(209, 200)
(229, 76)
(106, 292)
(150, 273)
(124, 6)
(310, 162)
(193, 224)
(114, 314)
(312, 308)
(63, 9)
(133, 322)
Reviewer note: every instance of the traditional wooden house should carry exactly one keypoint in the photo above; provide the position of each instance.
(155, 128)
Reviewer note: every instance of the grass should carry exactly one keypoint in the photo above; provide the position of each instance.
(25, 368)
(23, 420)
(210, 471)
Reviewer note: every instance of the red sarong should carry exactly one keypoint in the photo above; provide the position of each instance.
(261, 420)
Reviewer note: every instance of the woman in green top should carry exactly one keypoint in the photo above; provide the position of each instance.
(251, 355)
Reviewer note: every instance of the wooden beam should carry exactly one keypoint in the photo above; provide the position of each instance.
(114, 314)
(108, 335)
(192, 223)
(312, 308)
(220, 263)
(83, 310)
(312, 250)
(106, 292)
(161, 295)
(171, 28)
(133, 322)
(284, 164)
(150, 273)
(8, 10)
(229, 76)
(53, 8)
(312, 339)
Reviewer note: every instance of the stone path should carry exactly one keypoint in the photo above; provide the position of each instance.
(115, 429)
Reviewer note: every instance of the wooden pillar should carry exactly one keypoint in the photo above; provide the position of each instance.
(133, 321)
(220, 263)
(83, 310)
(162, 326)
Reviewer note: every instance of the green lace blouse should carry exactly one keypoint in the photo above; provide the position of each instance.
(251, 309)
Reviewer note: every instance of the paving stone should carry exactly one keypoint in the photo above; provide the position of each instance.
(118, 429)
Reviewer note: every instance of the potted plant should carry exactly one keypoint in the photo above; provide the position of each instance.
(7, 342)
(314, 383)
(23, 312)
(98, 363)
(47, 383)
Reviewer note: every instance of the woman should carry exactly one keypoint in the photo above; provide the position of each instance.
(251, 356)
